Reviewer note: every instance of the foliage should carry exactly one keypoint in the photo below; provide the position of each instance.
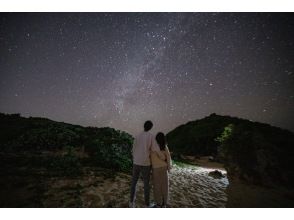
(106, 147)
(224, 139)
(67, 164)
(225, 136)
(112, 152)
(255, 152)
(258, 154)
(183, 164)
(199, 137)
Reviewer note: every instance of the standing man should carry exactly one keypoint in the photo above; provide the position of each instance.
(144, 143)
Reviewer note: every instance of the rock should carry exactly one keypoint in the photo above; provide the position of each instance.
(211, 159)
(216, 174)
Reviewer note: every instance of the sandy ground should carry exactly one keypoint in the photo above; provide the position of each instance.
(190, 186)
(251, 196)
(204, 162)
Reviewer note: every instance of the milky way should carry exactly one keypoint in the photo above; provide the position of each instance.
(120, 69)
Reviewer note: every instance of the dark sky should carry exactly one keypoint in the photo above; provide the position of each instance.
(120, 69)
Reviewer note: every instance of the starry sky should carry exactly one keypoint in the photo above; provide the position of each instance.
(120, 69)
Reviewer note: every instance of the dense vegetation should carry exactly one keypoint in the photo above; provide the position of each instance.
(104, 147)
(258, 154)
(251, 151)
(198, 137)
(255, 152)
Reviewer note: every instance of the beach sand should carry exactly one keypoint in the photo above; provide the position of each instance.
(190, 186)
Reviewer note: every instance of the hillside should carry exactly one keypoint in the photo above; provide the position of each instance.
(198, 137)
(44, 163)
(254, 152)
(65, 145)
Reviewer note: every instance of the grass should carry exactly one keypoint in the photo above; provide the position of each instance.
(183, 164)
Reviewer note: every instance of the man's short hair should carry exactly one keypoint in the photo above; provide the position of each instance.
(148, 125)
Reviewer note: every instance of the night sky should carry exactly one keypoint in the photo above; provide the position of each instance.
(120, 69)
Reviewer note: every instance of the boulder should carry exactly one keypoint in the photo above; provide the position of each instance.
(216, 174)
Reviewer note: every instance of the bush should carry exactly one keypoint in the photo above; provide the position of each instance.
(116, 156)
(67, 164)
(259, 155)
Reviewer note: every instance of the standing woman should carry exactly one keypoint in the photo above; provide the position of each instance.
(160, 169)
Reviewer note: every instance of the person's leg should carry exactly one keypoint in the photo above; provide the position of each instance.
(135, 177)
(161, 182)
(146, 178)
(165, 187)
(156, 186)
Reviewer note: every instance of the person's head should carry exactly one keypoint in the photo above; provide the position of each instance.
(148, 125)
(161, 141)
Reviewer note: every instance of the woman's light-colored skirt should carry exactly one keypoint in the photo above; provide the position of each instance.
(160, 185)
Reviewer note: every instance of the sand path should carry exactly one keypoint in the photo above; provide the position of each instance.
(190, 186)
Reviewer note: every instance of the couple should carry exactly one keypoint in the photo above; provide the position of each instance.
(151, 152)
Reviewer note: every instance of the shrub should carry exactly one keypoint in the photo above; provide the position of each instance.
(116, 156)
(67, 164)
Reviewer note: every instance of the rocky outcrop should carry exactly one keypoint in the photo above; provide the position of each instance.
(259, 155)
(255, 153)
(216, 174)
(259, 166)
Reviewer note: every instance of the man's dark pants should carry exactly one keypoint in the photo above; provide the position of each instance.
(145, 170)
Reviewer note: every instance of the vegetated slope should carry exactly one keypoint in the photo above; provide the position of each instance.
(251, 151)
(105, 147)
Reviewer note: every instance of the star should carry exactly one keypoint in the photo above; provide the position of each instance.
(117, 70)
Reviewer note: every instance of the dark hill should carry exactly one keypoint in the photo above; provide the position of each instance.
(106, 146)
(251, 151)
(198, 137)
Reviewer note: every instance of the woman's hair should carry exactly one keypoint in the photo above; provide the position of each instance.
(160, 138)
